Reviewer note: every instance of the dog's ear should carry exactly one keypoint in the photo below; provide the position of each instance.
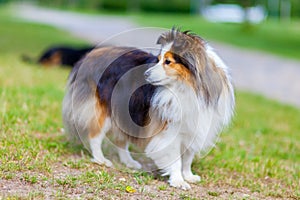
(161, 40)
(181, 45)
(187, 60)
(167, 37)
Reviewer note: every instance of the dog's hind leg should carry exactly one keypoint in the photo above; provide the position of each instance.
(123, 151)
(96, 140)
(126, 158)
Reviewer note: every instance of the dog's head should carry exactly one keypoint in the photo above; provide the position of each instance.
(183, 59)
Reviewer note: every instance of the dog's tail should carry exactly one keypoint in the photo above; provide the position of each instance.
(78, 107)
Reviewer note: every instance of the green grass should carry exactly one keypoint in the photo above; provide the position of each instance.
(18, 38)
(257, 157)
(271, 36)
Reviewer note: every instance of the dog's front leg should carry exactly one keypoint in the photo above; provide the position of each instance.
(187, 159)
(165, 151)
(176, 178)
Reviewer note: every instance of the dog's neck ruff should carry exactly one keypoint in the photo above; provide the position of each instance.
(175, 103)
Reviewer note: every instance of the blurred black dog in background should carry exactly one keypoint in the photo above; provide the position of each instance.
(61, 55)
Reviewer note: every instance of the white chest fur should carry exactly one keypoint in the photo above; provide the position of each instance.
(188, 116)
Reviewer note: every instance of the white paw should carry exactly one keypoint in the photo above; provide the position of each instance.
(180, 184)
(192, 178)
(104, 161)
(134, 165)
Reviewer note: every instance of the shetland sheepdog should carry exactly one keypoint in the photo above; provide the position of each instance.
(60, 55)
(173, 105)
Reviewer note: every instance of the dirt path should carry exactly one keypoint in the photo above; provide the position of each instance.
(259, 72)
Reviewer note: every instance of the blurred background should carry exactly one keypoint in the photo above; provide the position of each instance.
(258, 39)
(283, 9)
(270, 26)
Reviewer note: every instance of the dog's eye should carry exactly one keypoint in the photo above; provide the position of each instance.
(167, 61)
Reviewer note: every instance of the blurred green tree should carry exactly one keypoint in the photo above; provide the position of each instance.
(275, 8)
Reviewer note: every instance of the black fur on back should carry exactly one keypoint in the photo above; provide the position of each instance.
(139, 103)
